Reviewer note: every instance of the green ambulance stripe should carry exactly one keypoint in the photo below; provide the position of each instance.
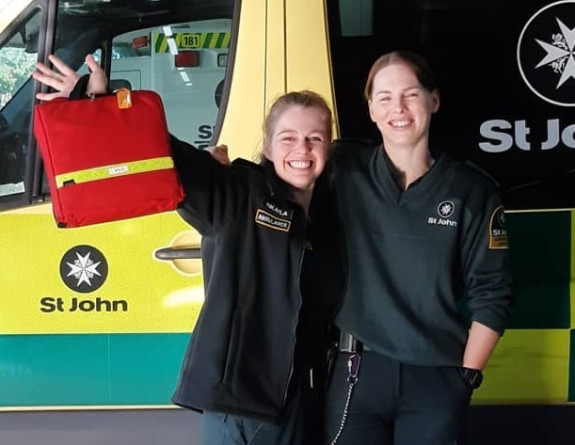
(79, 370)
(533, 362)
(540, 251)
(112, 171)
(188, 40)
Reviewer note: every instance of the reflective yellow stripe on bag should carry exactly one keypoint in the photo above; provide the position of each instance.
(110, 171)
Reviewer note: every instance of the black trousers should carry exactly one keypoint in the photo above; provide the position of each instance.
(394, 403)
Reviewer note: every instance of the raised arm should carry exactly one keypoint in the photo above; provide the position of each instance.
(63, 79)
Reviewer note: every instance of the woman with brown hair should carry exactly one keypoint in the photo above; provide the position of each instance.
(429, 285)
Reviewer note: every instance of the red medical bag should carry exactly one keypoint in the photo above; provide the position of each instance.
(107, 158)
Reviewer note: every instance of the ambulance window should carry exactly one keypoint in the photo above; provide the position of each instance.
(177, 48)
(17, 62)
(186, 64)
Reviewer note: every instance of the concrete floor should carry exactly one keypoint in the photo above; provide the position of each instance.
(488, 425)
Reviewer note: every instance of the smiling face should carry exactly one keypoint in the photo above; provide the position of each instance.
(400, 106)
(298, 145)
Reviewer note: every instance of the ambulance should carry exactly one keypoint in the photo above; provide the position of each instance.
(185, 64)
(99, 316)
(506, 70)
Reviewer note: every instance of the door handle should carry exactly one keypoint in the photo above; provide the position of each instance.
(170, 253)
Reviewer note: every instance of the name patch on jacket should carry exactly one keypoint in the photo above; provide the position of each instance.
(497, 229)
(274, 217)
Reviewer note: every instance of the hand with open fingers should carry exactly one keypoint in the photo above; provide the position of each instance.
(219, 153)
(63, 79)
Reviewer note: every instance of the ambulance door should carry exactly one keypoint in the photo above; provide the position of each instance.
(94, 316)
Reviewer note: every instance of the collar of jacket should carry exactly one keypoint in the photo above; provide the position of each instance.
(276, 186)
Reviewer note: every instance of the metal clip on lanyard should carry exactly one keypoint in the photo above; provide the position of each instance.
(353, 363)
(353, 368)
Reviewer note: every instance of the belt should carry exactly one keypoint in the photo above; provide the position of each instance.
(348, 343)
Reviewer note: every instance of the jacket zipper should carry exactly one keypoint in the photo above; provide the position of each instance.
(302, 253)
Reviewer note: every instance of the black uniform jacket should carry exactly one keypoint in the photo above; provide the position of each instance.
(241, 353)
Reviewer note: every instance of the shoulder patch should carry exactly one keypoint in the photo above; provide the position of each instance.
(498, 230)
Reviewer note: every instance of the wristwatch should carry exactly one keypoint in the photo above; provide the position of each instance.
(473, 377)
